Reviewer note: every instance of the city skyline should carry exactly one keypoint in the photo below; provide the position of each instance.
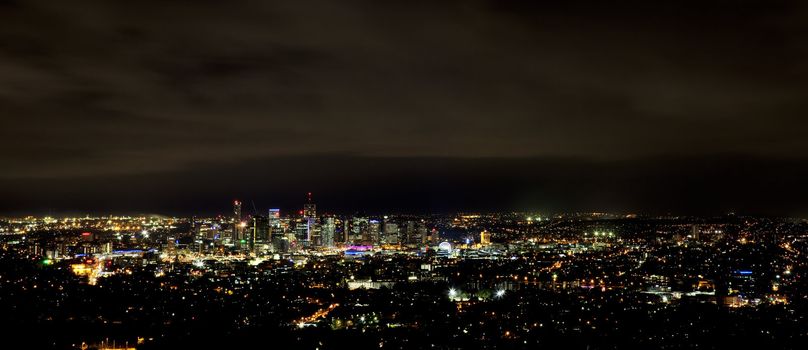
(457, 281)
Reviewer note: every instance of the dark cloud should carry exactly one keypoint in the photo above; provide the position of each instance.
(95, 89)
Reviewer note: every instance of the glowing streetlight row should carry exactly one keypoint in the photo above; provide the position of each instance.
(453, 293)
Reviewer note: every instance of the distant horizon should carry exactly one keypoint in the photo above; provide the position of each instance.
(681, 185)
(543, 215)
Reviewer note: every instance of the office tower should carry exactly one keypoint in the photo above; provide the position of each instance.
(213, 230)
(371, 234)
(301, 229)
(357, 227)
(390, 232)
(339, 230)
(274, 219)
(275, 229)
(409, 232)
(195, 228)
(346, 230)
(309, 209)
(309, 216)
(237, 228)
(260, 232)
(327, 231)
(415, 233)
(423, 234)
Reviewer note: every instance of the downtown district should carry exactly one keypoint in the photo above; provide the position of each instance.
(468, 280)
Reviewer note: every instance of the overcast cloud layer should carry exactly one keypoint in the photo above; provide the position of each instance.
(94, 90)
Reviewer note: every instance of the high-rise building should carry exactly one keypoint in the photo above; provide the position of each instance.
(301, 230)
(390, 232)
(409, 232)
(327, 231)
(423, 234)
(346, 230)
(339, 230)
(415, 233)
(371, 234)
(276, 232)
(309, 216)
(237, 227)
(260, 232)
(274, 219)
(195, 228)
(356, 229)
(309, 209)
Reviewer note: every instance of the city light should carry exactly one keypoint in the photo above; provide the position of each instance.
(284, 267)
(396, 175)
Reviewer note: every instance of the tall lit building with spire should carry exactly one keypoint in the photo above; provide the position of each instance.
(309, 209)
(237, 227)
(310, 217)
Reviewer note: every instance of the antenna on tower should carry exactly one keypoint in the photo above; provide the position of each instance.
(255, 211)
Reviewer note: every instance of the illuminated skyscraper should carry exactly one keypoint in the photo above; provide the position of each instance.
(346, 230)
(309, 209)
(415, 233)
(237, 227)
(301, 230)
(409, 232)
(309, 216)
(327, 231)
(355, 229)
(274, 219)
(276, 231)
(260, 232)
(390, 232)
(371, 235)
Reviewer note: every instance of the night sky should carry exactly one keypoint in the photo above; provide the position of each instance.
(180, 106)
